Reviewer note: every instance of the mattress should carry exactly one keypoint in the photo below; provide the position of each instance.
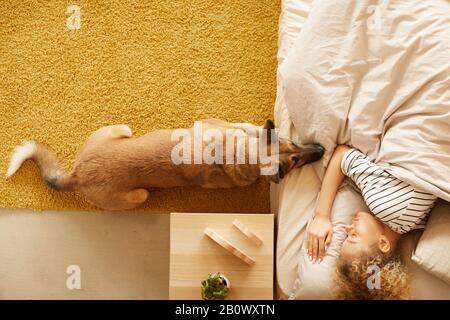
(293, 200)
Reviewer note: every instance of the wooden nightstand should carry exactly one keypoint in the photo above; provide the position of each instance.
(193, 255)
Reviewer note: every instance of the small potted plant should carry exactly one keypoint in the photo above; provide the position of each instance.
(215, 287)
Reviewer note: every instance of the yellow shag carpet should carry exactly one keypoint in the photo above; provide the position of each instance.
(149, 64)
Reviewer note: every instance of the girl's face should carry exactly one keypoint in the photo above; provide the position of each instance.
(363, 235)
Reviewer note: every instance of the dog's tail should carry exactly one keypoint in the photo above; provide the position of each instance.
(51, 171)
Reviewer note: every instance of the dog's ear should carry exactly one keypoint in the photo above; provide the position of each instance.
(269, 125)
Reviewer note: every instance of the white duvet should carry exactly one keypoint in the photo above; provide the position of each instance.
(376, 75)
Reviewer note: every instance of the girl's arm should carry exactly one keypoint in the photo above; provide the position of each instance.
(320, 230)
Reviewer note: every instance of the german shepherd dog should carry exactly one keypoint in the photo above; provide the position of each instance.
(114, 170)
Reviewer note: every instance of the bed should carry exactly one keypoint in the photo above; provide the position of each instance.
(293, 202)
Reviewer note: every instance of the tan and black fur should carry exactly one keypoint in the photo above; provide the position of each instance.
(114, 170)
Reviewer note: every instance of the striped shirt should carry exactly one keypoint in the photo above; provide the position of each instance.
(399, 205)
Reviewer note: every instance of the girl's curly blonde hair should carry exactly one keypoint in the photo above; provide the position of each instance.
(352, 279)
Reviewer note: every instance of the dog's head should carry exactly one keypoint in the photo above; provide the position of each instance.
(290, 155)
(299, 156)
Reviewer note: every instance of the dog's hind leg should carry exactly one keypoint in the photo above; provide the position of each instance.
(116, 200)
(104, 134)
(136, 196)
(128, 200)
(110, 132)
(119, 131)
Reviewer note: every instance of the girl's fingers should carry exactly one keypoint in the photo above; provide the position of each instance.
(321, 250)
(328, 239)
(310, 247)
(315, 242)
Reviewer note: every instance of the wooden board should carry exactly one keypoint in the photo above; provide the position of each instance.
(224, 243)
(193, 255)
(249, 233)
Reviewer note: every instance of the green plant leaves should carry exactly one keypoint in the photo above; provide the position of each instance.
(214, 287)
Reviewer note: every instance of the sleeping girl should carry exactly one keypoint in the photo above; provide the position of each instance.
(395, 209)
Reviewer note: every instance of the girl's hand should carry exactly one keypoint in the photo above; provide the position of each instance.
(319, 237)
